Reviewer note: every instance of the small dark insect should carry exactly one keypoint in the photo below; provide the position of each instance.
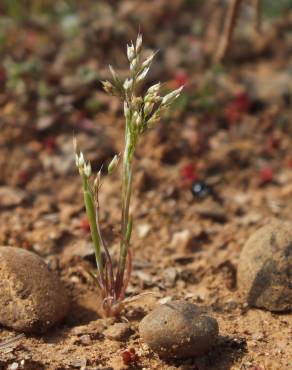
(201, 190)
(129, 356)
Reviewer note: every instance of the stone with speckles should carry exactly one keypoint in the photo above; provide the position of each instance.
(264, 272)
(179, 329)
(32, 298)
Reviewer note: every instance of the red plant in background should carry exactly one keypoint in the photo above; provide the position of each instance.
(50, 144)
(189, 174)
(26, 245)
(242, 101)
(181, 78)
(240, 104)
(129, 356)
(84, 224)
(30, 39)
(273, 143)
(23, 177)
(290, 163)
(231, 114)
(266, 175)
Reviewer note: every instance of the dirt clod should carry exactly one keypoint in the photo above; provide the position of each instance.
(119, 331)
(178, 330)
(265, 265)
(31, 297)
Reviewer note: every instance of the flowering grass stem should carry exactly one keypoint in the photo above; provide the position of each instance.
(141, 113)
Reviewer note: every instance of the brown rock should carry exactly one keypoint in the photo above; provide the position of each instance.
(265, 267)
(119, 331)
(31, 297)
(178, 330)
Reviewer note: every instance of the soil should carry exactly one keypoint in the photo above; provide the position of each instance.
(231, 130)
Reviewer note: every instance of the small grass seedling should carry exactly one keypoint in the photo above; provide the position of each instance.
(141, 113)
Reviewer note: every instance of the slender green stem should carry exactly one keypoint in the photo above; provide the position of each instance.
(108, 266)
(90, 211)
(126, 196)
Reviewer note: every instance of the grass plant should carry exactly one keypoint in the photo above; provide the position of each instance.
(141, 112)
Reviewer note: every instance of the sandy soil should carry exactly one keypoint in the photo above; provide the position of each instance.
(233, 127)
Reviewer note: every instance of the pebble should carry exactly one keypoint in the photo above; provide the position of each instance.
(32, 298)
(11, 197)
(85, 339)
(265, 265)
(169, 276)
(211, 210)
(119, 331)
(178, 330)
(183, 239)
(143, 230)
(79, 363)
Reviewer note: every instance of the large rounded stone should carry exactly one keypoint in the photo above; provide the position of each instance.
(178, 330)
(31, 297)
(265, 267)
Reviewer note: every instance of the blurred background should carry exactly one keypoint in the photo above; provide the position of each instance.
(234, 114)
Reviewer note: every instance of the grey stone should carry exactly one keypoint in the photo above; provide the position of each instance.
(265, 267)
(179, 330)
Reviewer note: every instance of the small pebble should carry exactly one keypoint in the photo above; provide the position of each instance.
(169, 276)
(79, 363)
(85, 339)
(182, 239)
(265, 265)
(178, 330)
(32, 298)
(119, 331)
(143, 230)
